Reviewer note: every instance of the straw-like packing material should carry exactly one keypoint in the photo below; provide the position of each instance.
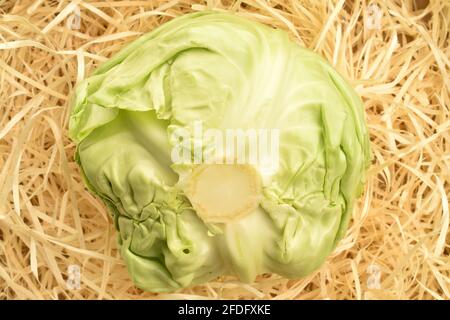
(396, 55)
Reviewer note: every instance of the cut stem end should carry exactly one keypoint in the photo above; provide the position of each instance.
(224, 192)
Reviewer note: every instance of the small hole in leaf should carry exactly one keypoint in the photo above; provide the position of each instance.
(186, 251)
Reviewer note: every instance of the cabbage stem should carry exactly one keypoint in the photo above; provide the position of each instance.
(224, 192)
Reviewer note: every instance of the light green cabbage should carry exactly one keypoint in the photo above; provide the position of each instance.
(227, 72)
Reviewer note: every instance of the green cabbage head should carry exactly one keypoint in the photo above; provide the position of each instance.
(185, 222)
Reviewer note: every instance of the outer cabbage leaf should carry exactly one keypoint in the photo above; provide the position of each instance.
(227, 72)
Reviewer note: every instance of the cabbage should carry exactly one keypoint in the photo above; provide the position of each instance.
(185, 222)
